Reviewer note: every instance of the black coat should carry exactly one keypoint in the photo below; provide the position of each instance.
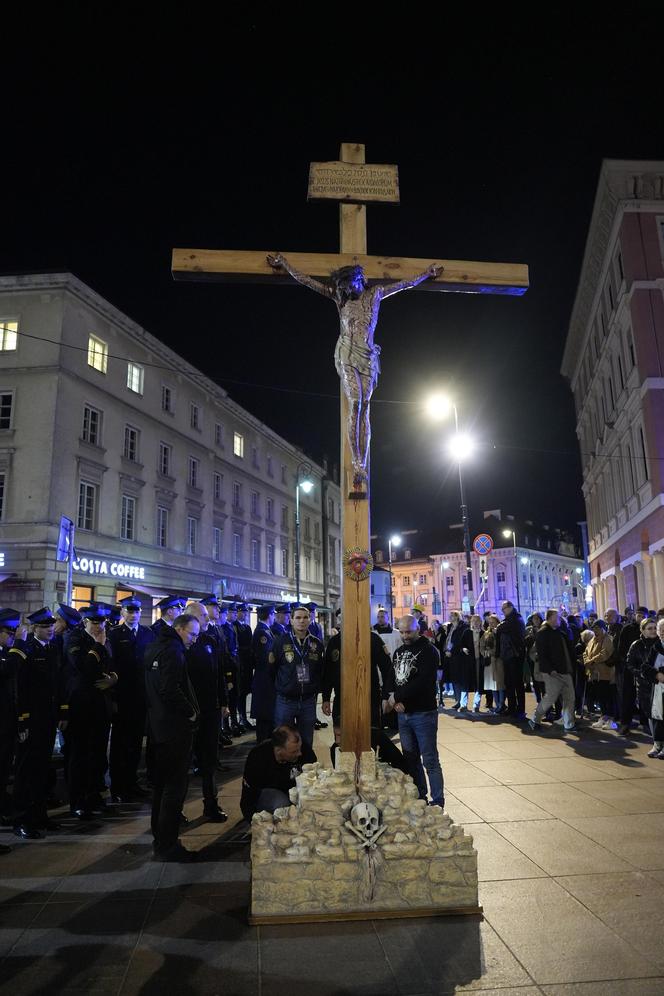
(206, 674)
(459, 668)
(263, 694)
(169, 693)
(380, 667)
(554, 652)
(88, 662)
(511, 637)
(128, 651)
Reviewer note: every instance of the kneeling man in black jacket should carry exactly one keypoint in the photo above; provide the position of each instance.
(173, 712)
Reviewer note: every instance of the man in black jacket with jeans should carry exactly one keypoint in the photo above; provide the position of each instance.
(173, 712)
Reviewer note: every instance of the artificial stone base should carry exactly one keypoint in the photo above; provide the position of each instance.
(308, 865)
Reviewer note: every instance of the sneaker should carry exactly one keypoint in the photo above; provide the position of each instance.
(572, 729)
(655, 752)
(607, 724)
(661, 755)
(534, 726)
(598, 724)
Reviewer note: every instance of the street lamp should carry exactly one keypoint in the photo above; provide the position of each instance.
(305, 483)
(526, 563)
(460, 448)
(445, 566)
(507, 533)
(393, 541)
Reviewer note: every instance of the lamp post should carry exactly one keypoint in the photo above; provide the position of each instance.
(507, 533)
(393, 541)
(307, 485)
(460, 447)
(445, 566)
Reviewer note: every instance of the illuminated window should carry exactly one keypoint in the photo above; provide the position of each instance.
(81, 595)
(8, 335)
(135, 378)
(238, 445)
(97, 354)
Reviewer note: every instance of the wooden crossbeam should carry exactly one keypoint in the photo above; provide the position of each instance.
(252, 267)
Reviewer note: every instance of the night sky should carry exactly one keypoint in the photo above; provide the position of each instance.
(124, 140)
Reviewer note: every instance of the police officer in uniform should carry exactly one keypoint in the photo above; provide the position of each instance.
(10, 620)
(92, 676)
(281, 623)
(315, 627)
(66, 620)
(211, 603)
(39, 708)
(244, 635)
(128, 643)
(229, 611)
(173, 712)
(297, 663)
(169, 609)
(205, 670)
(263, 695)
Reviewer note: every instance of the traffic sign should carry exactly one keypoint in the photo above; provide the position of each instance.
(482, 544)
(483, 569)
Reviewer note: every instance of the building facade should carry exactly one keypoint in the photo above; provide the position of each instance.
(172, 486)
(614, 357)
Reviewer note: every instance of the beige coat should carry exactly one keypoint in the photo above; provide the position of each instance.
(594, 657)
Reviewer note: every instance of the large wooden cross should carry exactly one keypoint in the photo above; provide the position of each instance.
(354, 182)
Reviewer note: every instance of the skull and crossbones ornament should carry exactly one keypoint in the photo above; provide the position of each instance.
(365, 824)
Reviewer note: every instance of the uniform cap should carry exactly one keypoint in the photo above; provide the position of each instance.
(97, 611)
(9, 619)
(71, 616)
(284, 607)
(130, 602)
(170, 602)
(42, 616)
(242, 607)
(209, 600)
(312, 606)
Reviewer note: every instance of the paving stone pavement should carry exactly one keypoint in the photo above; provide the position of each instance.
(569, 832)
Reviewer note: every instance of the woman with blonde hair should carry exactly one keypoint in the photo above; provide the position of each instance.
(601, 675)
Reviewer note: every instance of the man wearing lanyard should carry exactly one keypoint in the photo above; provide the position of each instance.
(296, 659)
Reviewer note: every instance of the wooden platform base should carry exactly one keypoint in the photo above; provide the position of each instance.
(262, 921)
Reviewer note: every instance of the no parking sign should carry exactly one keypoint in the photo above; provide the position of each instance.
(482, 544)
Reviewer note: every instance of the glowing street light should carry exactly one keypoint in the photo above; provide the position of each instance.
(507, 533)
(304, 483)
(461, 446)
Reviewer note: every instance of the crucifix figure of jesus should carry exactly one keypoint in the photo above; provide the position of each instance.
(357, 284)
(357, 355)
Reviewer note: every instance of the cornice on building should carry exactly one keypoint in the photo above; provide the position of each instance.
(623, 185)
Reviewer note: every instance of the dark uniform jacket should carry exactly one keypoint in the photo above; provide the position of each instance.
(262, 770)
(297, 667)
(159, 626)
(263, 693)
(170, 696)
(87, 662)
(39, 695)
(243, 636)
(380, 668)
(8, 665)
(205, 669)
(128, 650)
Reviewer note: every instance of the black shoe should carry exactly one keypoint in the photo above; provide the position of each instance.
(237, 730)
(225, 740)
(183, 820)
(462, 709)
(215, 815)
(476, 709)
(319, 726)
(176, 853)
(4, 849)
(84, 815)
(456, 706)
(247, 726)
(27, 833)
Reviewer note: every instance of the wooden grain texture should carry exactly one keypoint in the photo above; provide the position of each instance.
(238, 265)
(355, 532)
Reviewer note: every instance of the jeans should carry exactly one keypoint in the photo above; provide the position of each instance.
(417, 732)
(297, 712)
(171, 770)
(271, 799)
(556, 685)
(460, 695)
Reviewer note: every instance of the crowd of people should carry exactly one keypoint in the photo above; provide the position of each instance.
(104, 686)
